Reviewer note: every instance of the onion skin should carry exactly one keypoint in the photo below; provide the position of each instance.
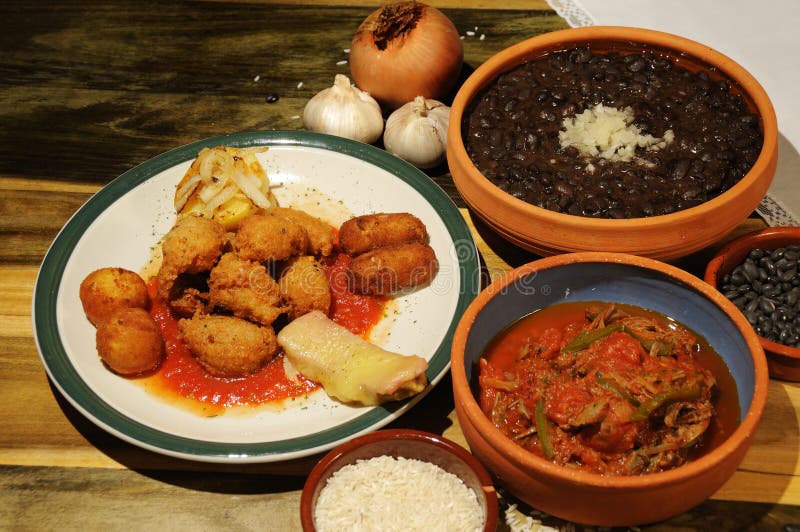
(404, 50)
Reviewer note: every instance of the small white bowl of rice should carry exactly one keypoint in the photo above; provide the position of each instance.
(399, 479)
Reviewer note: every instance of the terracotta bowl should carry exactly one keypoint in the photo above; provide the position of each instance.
(409, 444)
(783, 361)
(668, 236)
(581, 496)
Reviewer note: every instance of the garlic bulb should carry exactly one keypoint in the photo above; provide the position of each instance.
(346, 111)
(417, 132)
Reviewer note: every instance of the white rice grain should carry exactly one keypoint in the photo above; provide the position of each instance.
(519, 522)
(396, 494)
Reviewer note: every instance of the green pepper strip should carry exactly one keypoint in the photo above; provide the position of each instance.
(662, 350)
(684, 393)
(587, 338)
(617, 389)
(543, 430)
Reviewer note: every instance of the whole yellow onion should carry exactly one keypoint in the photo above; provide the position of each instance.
(404, 50)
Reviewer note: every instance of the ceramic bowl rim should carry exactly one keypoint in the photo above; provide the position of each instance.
(436, 440)
(515, 54)
(532, 463)
(747, 241)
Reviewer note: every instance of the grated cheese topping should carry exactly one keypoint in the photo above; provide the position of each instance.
(396, 494)
(609, 133)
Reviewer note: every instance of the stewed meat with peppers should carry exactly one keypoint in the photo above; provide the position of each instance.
(618, 392)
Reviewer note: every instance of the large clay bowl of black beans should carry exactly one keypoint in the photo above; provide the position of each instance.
(758, 272)
(612, 139)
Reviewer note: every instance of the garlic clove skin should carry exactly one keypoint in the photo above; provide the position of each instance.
(345, 111)
(417, 132)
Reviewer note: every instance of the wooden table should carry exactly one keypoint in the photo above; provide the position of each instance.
(89, 90)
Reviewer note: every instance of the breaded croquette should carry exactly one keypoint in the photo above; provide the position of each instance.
(388, 269)
(364, 233)
(227, 346)
(129, 341)
(188, 302)
(265, 238)
(305, 286)
(246, 289)
(320, 233)
(109, 289)
(193, 245)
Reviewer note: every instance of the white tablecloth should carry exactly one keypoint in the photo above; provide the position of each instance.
(762, 36)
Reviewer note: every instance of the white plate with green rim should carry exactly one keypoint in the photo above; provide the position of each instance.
(119, 225)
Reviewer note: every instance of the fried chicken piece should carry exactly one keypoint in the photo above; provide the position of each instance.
(320, 233)
(227, 346)
(265, 237)
(388, 269)
(305, 286)
(129, 342)
(246, 289)
(193, 245)
(363, 233)
(108, 289)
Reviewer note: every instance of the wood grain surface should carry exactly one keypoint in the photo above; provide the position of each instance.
(91, 89)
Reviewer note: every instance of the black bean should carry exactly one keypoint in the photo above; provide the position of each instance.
(766, 305)
(730, 293)
(271, 98)
(792, 297)
(783, 264)
(580, 55)
(771, 290)
(737, 277)
(498, 153)
(750, 270)
(637, 65)
(680, 169)
(568, 109)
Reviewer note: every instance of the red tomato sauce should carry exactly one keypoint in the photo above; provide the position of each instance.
(181, 378)
(358, 313)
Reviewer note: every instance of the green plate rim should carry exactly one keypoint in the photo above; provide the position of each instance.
(67, 380)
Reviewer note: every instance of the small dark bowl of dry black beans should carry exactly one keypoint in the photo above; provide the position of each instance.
(760, 273)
